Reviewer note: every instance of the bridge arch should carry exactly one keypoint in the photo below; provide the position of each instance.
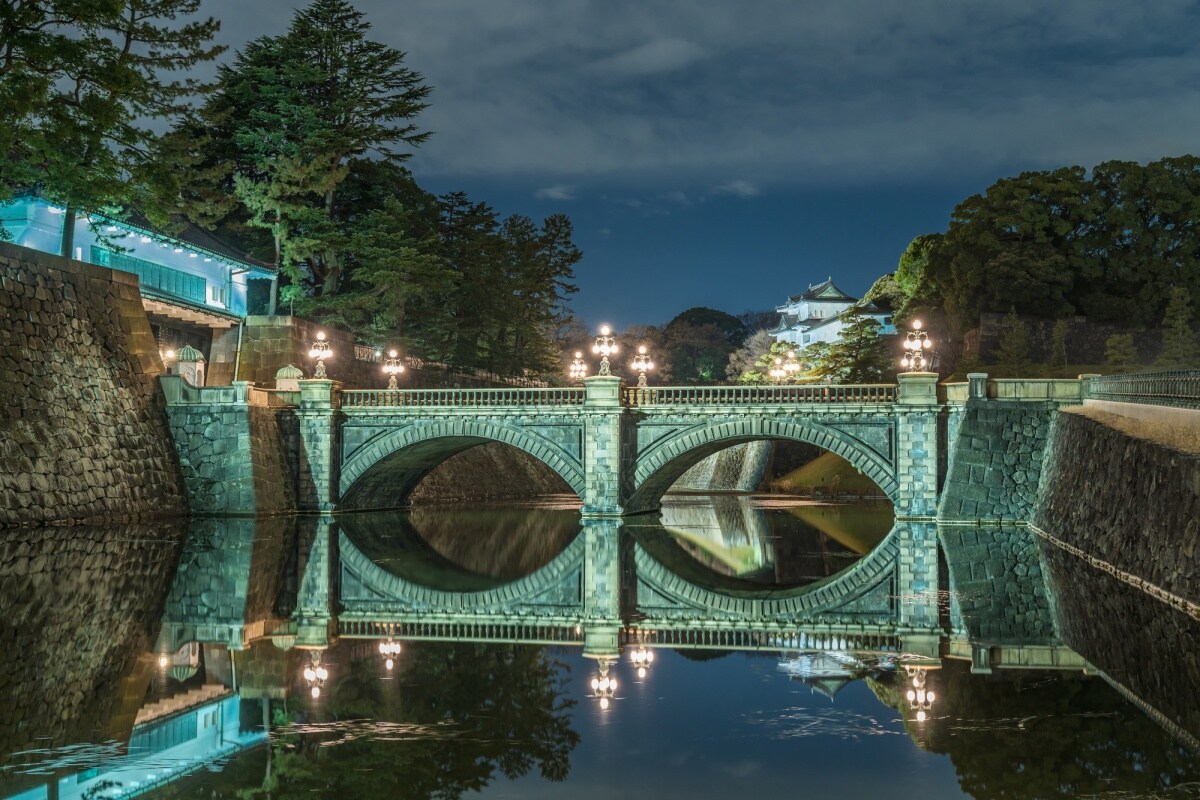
(668, 458)
(393, 463)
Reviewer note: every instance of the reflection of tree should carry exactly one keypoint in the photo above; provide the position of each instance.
(454, 716)
(1047, 735)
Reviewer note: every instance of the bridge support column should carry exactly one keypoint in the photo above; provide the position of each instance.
(602, 413)
(917, 579)
(601, 588)
(314, 601)
(917, 445)
(316, 462)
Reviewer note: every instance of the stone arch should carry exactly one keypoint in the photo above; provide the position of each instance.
(660, 466)
(388, 592)
(864, 589)
(397, 461)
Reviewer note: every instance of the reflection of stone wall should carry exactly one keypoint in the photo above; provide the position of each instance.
(997, 589)
(82, 431)
(996, 461)
(1142, 644)
(79, 606)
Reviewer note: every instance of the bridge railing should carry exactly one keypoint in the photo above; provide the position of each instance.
(460, 398)
(752, 395)
(1178, 388)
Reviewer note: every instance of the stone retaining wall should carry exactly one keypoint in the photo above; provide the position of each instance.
(1131, 503)
(740, 468)
(83, 435)
(996, 461)
(233, 458)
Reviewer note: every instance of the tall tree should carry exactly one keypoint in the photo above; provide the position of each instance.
(1179, 337)
(292, 116)
(1013, 352)
(81, 81)
(1058, 349)
(860, 354)
(1120, 354)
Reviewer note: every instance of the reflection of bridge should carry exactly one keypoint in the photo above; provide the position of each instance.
(603, 591)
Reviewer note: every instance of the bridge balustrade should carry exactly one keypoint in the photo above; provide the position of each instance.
(460, 398)
(1178, 388)
(755, 395)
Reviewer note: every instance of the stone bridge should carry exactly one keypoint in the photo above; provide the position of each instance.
(618, 448)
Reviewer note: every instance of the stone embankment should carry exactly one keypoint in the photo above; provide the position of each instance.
(1119, 520)
(83, 433)
(996, 461)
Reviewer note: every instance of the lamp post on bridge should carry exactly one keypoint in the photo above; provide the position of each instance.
(578, 369)
(393, 367)
(606, 345)
(320, 351)
(642, 363)
(915, 345)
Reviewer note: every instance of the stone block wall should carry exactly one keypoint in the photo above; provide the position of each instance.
(233, 459)
(83, 434)
(996, 461)
(740, 468)
(1127, 502)
(269, 343)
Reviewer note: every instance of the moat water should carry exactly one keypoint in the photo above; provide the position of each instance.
(95, 706)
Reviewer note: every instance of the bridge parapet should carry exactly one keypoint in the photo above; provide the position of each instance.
(461, 398)
(1175, 388)
(758, 395)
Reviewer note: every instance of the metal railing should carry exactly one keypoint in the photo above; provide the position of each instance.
(752, 395)
(471, 630)
(460, 398)
(1178, 388)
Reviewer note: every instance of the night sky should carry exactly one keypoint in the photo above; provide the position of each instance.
(730, 153)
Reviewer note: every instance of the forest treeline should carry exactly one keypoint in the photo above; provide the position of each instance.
(294, 154)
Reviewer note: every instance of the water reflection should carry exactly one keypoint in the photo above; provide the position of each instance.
(373, 661)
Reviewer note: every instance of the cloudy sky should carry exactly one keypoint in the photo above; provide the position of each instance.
(730, 153)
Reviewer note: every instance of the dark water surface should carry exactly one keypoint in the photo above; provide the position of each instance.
(170, 659)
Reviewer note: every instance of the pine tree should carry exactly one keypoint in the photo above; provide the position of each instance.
(1179, 338)
(1014, 346)
(1120, 355)
(83, 80)
(860, 354)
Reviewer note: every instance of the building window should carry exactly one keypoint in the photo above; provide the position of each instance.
(216, 295)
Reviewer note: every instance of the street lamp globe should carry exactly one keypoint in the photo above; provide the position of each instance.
(320, 351)
(642, 363)
(915, 345)
(392, 367)
(578, 369)
(606, 345)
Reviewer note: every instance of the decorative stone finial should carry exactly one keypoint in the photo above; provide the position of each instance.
(189, 353)
(288, 378)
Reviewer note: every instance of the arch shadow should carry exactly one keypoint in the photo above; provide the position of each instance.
(382, 473)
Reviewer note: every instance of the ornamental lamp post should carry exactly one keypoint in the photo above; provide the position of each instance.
(642, 363)
(791, 366)
(578, 369)
(919, 698)
(393, 367)
(915, 345)
(642, 657)
(606, 345)
(777, 370)
(320, 351)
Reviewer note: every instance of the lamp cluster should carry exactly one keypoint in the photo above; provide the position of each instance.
(915, 345)
(315, 675)
(784, 369)
(392, 367)
(605, 346)
(919, 698)
(320, 351)
(389, 650)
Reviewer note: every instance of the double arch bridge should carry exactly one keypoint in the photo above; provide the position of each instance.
(618, 448)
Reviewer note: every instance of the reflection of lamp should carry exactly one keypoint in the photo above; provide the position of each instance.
(604, 687)
(389, 650)
(642, 658)
(315, 675)
(919, 698)
(320, 351)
